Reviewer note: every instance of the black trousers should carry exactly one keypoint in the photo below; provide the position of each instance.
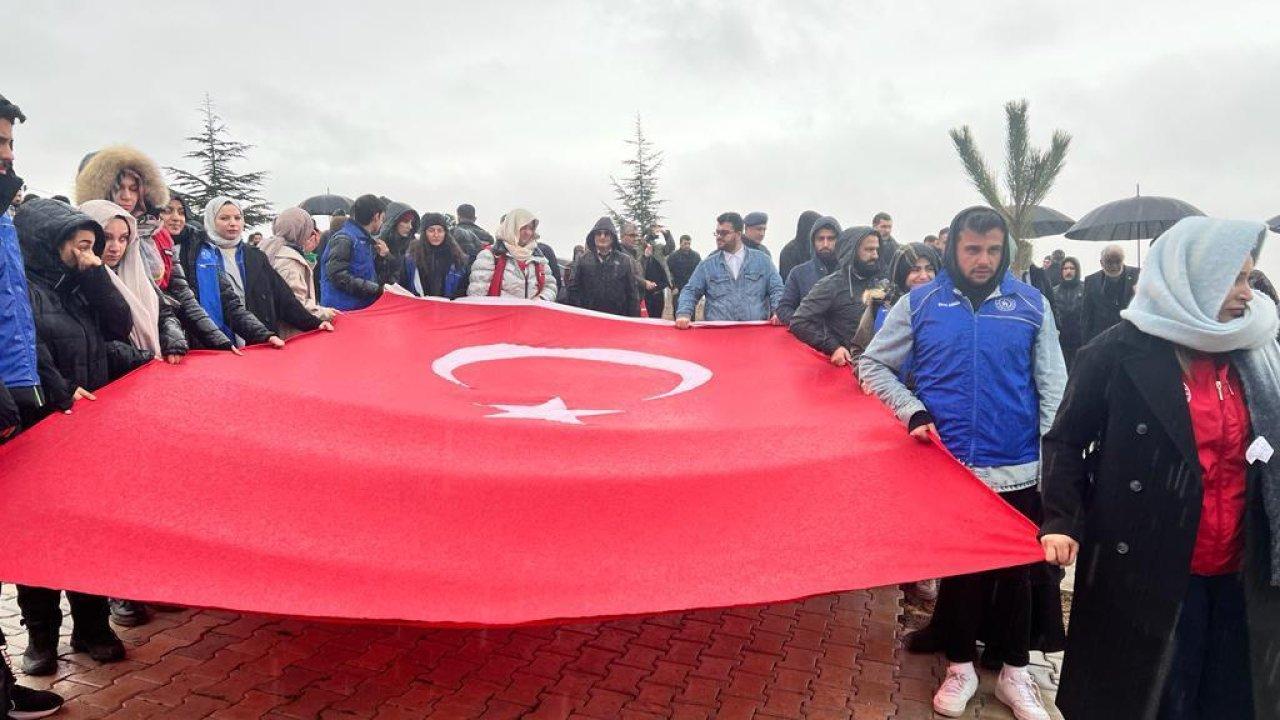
(39, 607)
(1209, 676)
(656, 303)
(965, 599)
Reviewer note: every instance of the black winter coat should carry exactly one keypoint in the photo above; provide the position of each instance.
(1134, 503)
(76, 313)
(682, 263)
(266, 294)
(200, 329)
(605, 284)
(829, 315)
(1068, 309)
(1099, 312)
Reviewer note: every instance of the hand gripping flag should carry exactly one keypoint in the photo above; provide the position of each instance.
(492, 463)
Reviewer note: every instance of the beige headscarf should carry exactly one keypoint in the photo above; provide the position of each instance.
(290, 228)
(131, 278)
(509, 234)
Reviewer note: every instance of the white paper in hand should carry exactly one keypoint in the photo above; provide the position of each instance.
(1259, 451)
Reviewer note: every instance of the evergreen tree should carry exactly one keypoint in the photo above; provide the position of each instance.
(214, 153)
(1029, 175)
(638, 194)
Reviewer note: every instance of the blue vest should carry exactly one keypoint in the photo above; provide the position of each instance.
(361, 266)
(975, 371)
(17, 326)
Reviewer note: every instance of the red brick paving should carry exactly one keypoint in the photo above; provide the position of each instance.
(833, 656)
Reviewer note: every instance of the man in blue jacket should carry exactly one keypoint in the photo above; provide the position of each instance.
(356, 264)
(989, 376)
(740, 283)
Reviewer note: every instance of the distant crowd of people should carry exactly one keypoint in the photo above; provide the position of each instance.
(1125, 413)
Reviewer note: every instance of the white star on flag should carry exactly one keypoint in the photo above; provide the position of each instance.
(553, 410)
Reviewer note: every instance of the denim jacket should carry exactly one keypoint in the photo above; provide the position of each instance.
(754, 295)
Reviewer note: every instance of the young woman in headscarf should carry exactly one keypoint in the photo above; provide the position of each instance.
(130, 179)
(513, 266)
(293, 236)
(219, 251)
(435, 265)
(1158, 476)
(913, 265)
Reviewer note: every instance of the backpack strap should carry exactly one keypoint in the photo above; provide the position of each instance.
(541, 271)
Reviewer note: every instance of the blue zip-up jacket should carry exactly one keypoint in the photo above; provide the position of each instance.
(350, 279)
(754, 295)
(991, 380)
(17, 327)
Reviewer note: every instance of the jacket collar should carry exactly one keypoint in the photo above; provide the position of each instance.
(1152, 365)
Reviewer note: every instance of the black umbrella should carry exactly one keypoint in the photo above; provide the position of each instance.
(1274, 223)
(326, 205)
(1046, 221)
(1135, 218)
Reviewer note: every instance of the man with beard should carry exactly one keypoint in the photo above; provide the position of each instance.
(829, 315)
(1107, 292)
(823, 261)
(757, 224)
(681, 264)
(988, 377)
(1068, 301)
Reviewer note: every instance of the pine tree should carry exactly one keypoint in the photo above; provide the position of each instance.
(214, 153)
(1029, 175)
(638, 194)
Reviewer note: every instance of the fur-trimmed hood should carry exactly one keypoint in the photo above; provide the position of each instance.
(99, 171)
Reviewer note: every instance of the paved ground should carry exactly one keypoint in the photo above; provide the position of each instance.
(833, 656)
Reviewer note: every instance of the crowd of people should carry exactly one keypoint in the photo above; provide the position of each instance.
(1125, 413)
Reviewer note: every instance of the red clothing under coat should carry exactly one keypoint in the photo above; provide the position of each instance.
(1220, 421)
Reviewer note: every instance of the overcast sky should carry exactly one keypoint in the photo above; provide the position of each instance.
(840, 106)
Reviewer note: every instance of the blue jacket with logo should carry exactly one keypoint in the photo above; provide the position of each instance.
(17, 327)
(753, 295)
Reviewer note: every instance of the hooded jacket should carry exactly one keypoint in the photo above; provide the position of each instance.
(99, 171)
(989, 375)
(604, 283)
(796, 251)
(807, 274)
(829, 314)
(76, 313)
(1068, 311)
(387, 233)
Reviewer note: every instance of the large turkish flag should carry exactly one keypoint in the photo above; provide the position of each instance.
(492, 463)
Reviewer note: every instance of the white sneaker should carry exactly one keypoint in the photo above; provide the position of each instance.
(956, 691)
(1018, 690)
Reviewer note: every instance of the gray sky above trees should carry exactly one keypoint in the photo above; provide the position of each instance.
(839, 106)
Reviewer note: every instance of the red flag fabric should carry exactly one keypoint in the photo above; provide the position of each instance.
(492, 463)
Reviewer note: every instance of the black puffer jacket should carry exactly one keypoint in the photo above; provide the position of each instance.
(266, 294)
(1068, 312)
(397, 244)
(200, 329)
(829, 315)
(76, 313)
(605, 284)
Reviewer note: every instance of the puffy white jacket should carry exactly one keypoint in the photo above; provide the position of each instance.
(515, 282)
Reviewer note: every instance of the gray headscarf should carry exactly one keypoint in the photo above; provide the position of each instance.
(1189, 273)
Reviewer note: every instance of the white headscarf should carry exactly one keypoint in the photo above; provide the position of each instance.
(1189, 272)
(131, 277)
(226, 247)
(211, 215)
(509, 234)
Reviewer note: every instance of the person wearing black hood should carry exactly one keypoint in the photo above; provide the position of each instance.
(882, 223)
(1068, 309)
(988, 378)
(829, 314)
(824, 260)
(399, 228)
(77, 311)
(435, 265)
(603, 278)
(797, 251)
